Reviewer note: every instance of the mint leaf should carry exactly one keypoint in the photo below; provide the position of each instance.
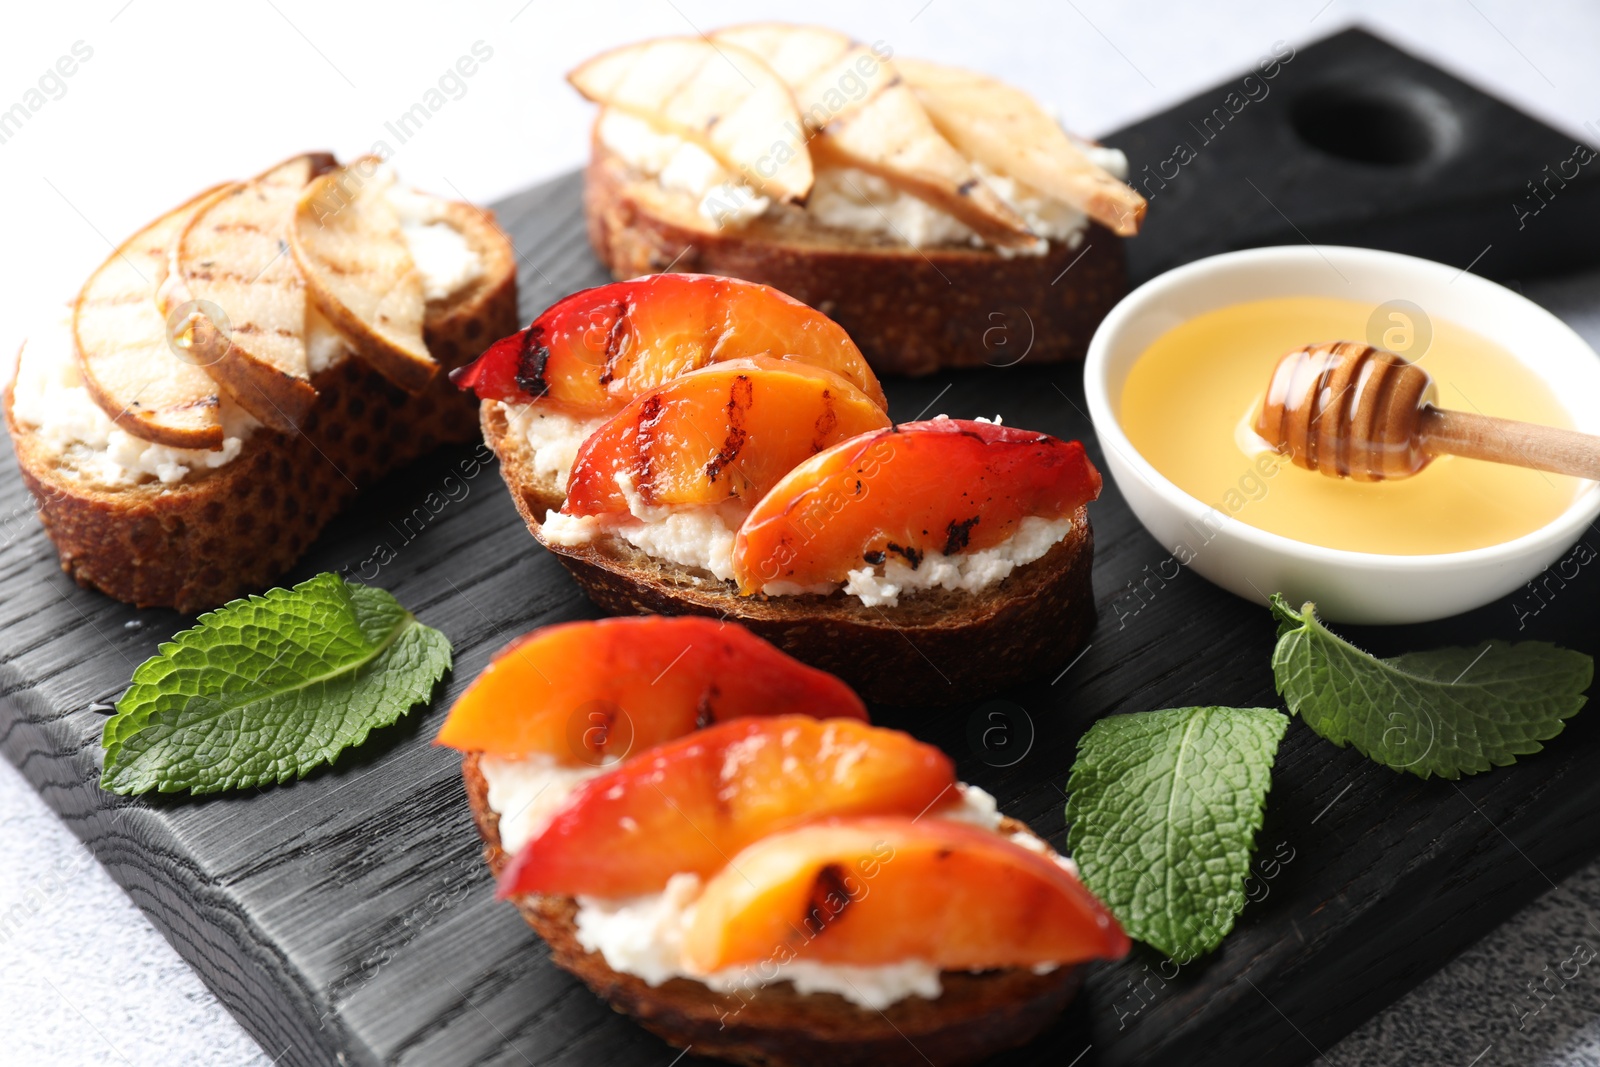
(1164, 807)
(1449, 712)
(268, 687)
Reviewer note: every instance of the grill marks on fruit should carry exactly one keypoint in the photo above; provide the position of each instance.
(705, 712)
(616, 339)
(826, 422)
(532, 362)
(644, 447)
(828, 900)
(741, 394)
(957, 534)
(910, 553)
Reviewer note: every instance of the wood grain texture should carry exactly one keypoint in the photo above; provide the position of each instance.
(349, 918)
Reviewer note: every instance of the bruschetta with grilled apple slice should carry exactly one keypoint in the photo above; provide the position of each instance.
(779, 889)
(933, 561)
(195, 420)
(947, 220)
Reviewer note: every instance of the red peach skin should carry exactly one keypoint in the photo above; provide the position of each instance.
(687, 805)
(595, 351)
(588, 691)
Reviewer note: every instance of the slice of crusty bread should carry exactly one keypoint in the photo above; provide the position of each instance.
(934, 647)
(975, 1017)
(911, 311)
(222, 533)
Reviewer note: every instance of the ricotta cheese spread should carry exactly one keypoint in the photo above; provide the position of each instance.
(691, 536)
(444, 258)
(527, 791)
(50, 398)
(843, 197)
(553, 437)
(881, 586)
(702, 537)
(682, 166)
(644, 936)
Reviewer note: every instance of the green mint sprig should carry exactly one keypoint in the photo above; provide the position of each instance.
(268, 687)
(1163, 811)
(1448, 712)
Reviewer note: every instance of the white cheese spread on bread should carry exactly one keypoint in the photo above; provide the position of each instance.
(50, 399)
(643, 936)
(681, 166)
(702, 537)
(446, 260)
(842, 197)
(553, 437)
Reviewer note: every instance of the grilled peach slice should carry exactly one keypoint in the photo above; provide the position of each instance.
(691, 803)
(881, 890)
(724, 432)
(590, 691)
(596, 350)
(946, 485)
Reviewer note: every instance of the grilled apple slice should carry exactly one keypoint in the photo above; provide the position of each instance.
(690, 804)
(587, 691)
(1005, 129)
(358, 270)
(946, 485)
(596, 350)
(719, 96)
(124, 349)
(725, 432)
(880, 890)
(880, 128)
(235, 254)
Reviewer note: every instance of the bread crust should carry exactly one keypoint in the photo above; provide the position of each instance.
(911, 311)
(223, 533)
(976, 1016)
(934, 648)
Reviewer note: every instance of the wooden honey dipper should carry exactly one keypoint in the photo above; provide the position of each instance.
(1354, 411)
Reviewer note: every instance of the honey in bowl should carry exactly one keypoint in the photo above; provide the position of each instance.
(1190, 401)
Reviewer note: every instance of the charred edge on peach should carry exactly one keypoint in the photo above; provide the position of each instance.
(825, 424)
(705, 712)
(614, 339)
(828, 901)
(911, 555)
(644, 440)
(740, 396)
(957, 534)
(532, 360)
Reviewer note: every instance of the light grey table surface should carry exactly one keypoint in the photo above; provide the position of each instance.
(84, 978)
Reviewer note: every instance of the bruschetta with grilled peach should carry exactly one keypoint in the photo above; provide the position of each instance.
(698, 445)
(711, 836)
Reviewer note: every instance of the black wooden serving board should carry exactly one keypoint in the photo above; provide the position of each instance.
(348, 918)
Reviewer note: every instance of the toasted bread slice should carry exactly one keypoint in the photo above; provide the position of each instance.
(976, 1016)
(235, 255)
(124, 347)
(910, 310)
(358, 270)
(934, 647)
(222, 533)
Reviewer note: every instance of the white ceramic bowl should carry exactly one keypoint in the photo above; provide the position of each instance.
(1348, 586)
